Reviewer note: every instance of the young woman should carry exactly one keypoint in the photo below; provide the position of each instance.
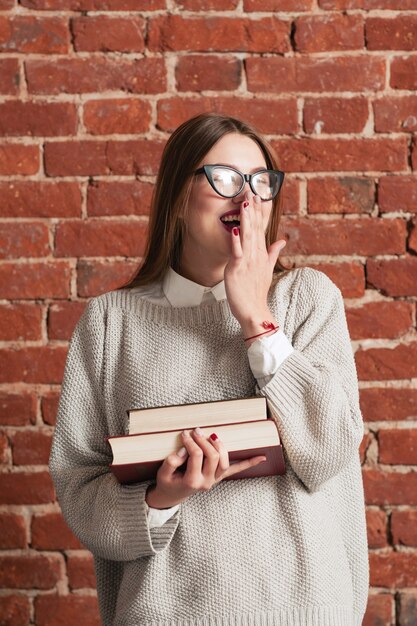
(212, 314)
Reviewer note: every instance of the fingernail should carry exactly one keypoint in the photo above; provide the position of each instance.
(186, 433)
(182, 451)
(235, 230)
(213, 436)
(245, 205)
(198, 431)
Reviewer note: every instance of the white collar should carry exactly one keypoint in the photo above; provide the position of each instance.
(181, 291)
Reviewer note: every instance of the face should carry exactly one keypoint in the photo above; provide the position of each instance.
(208, 242)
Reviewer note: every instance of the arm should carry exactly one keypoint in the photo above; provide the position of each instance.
(109, 519)
(314, 392)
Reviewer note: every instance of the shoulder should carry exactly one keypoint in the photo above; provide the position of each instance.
(315, 282)
(101, 304)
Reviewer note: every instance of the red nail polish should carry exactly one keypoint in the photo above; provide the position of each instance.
(213, 436)
(235, 230)
(245, 204)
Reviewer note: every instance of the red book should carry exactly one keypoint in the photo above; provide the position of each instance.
(137, 457)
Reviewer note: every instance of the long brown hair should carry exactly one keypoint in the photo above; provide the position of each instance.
(184, 150)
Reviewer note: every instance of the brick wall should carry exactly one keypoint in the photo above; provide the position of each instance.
(90, 91)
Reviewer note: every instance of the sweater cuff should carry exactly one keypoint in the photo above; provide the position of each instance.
(287, 386)
(134, 522)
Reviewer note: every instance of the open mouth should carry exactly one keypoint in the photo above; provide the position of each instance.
(230, 220)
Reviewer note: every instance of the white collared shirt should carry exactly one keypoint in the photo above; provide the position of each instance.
(265, 354)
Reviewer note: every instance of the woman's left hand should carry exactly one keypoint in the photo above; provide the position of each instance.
(248, 274)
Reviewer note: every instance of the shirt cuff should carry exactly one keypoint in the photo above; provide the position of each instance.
(158, 517)
(266, 355)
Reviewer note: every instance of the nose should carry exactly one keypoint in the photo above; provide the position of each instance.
(242, 195)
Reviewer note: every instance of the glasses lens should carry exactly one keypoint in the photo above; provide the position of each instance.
(227, 182)
(266, 184)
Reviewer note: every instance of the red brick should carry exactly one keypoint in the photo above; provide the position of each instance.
(97, 277)
(387, 363)
(383, 488)
(62, 318)
(380, 319)
(101, 238)
(31, 447)
(376, 523)
(19, 159)
(104, 117)
(379, 610)
(349, 277)
(4, 449)
(315, 155)
(23, 239)
(94, 5)
(73, 610)
(414, 154)
(336, 237)
(335, 115)
(407, 608)
(397, 193)
(12, 531)
(96, 74)
(50, 279)
(396, 114)
(108, 34)
(26, 33)
(26, 488)
(396, 569)
(80, 571)
(37, 119)
(404, 527)
(392, 33)
(404, 72)
(364, 446)
(398, 447)
(49, 407)
(299, 74)
(17, 409)
(140, 157)
(347, 194)
(6, 4)
(75, 158)
(368, 5)
(21, 198)
(412, 241)
(196, 72)
(269, 116)
(50, 532)
(388, 404)
(119, 198)
(277, 5)
(29, 572)
(329, 32)
(43, 364)
(20, 322)
(393, 277)
(207, 5)
(222, 34)
(14, 610)
(9, 77)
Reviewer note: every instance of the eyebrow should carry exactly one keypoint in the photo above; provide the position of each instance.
(255, 169)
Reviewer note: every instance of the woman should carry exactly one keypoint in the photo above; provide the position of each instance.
(212, 314)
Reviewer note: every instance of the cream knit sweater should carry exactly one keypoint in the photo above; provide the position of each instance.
(217, 562)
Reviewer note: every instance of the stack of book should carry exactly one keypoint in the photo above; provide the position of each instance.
(245, 426)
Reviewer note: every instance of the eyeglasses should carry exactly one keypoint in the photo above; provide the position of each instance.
(229, 182)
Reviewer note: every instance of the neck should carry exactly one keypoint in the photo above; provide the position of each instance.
(201, 274)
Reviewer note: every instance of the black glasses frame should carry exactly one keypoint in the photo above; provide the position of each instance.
(208, 171)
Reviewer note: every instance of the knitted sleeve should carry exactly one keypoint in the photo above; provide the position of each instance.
(109, 519)
(314, 394)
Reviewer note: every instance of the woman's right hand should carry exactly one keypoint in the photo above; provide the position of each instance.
(207, 464)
